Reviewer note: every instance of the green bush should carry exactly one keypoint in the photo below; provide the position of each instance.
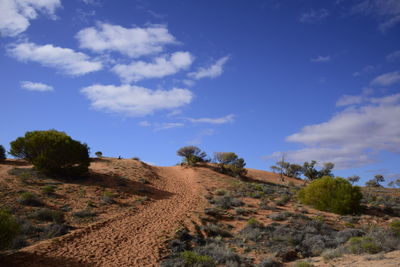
(48, 189)
(52, 152)
(48, 215)
(395, 228)
(2, 153)
(99, 154)
(332, 194)
(193, 259)
(9, 228)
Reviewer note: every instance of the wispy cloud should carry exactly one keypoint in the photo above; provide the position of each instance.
(160, 67)
(222, 120)
(387, 79)
(353, 137)
(366, 70)
(64, 59)
(161, 126)
(314, 15)
(16, 14)
(393, 56)
(32, 86)
(212, 71)
(321, 59)
(386, 12)
(132, 42)
(198, 139)
(132, 100)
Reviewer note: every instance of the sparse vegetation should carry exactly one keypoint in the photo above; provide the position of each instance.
(48, 215)
(28, 198)
(332, 194)
(48, 189)
(9, 228)
(193, 259)
(52, 152)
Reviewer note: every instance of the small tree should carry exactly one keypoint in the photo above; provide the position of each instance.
(332, 194)
(52, 152)
(309, 170)
(229, 163)
(99, 154)
(191, 155)
(372, 183)
(326, 169)
(379, 178)
(275, 169)
(353, 179)
(2, 153)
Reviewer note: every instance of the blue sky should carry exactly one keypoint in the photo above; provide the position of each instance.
(305, 79)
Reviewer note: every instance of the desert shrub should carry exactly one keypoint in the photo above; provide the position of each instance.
(215, 212)
(229, 163)
(395, 227)
(332, 194)
(280, 216)
(29, 199)
(227, 202)
(243, 212)
(54, 230)
(84, 214)
(52, 152)
(332, 253)
(9, 228)
(99, 154)
(220, 254)
(212, 229)
(2, 153)
(191, 155)
(48, 215)
(193, 259)
(269, 263)
(365, 244)
(48, 189)
(283, 200)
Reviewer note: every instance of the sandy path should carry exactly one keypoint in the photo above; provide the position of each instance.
(130, 239)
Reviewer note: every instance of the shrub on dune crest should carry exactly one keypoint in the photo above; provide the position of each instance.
(2, 153)
(52, 152)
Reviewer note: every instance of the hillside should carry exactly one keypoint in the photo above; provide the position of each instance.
(128, 213)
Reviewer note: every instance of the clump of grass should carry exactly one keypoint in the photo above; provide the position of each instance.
(48, 189)
(303, 264)
(395, 228)
(29, 199)
(108, 197)
(48, 215)
(212, 229)
(252, 222)
(193, 259)
(220, 192)
(9, 228)
(143, 181)
(332, 253)
(283, 200)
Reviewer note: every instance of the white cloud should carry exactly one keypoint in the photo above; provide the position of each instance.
(366, 70)
(135, 100)
(393, 56)
(353, 137)
(226, 119)
(321, 59)
(15, 14)
(161, 126)
(168, 125)
(212, 71)
(133, 42)
(198, 139)
(160, 67)
(387, 79)
(314, 15)
(64, 59)
(347, 100)
(387, 12)
(32, 86)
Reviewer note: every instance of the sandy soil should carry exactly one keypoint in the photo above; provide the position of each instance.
(134, 238)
